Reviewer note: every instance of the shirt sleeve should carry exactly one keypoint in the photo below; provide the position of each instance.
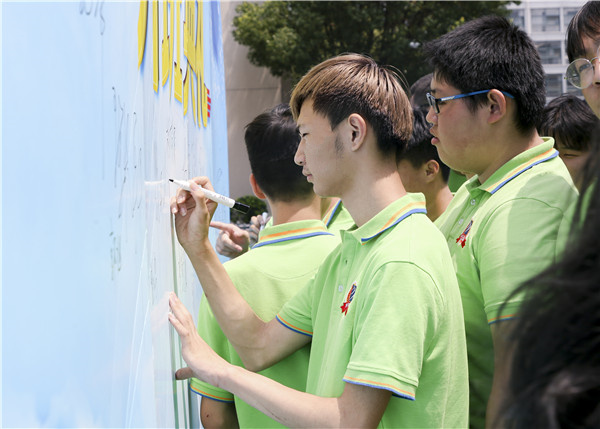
(297, 313)
(211, 332)
(393, 330)
(518, 241)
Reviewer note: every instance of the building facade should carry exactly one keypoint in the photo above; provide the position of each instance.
(546, 23)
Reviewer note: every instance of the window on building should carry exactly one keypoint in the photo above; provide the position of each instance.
(518, 18)
(572, 90)
(545, 19)
(550, 52)
(568, 14)
(553, 85)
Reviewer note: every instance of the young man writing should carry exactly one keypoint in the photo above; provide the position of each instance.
(501, 227)
(383, 311)
(286, 256)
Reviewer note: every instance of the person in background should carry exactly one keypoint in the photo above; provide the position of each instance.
(383, 312)
(286, 256)
(234, 241)
(501, 227)
(583, 50)
(554, 370)
(421, 169)
(419, 90)
(570, 121)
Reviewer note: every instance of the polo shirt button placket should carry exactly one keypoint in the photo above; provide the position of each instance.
(473, 201)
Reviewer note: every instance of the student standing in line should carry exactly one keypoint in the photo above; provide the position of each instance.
(555, 374)
(419, 90)
(383, 312)
(421, 169)
(501, 226)
(286, 256)
(570, 122)
(234, 241)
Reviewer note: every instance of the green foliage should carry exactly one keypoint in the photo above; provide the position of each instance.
(289, 37)
(257, 206)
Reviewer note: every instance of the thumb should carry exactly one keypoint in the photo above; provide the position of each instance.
(184, 373)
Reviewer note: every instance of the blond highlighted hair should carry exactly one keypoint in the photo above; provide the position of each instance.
(353, 83)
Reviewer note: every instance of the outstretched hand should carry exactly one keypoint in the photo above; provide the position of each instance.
(203, 362)
(232, 241)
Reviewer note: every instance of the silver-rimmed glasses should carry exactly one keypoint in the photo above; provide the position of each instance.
(581, 71)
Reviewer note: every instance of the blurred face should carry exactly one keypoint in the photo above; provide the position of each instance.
(320, 152)
(574, 159)
(412, 177)
(592, 92)
(456, 131)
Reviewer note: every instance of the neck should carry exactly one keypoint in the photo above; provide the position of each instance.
(507, 147)
(326, 204)
(285, 212)
(371, 194)
(437, 201)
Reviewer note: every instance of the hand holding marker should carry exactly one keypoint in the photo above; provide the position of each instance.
(217, 198)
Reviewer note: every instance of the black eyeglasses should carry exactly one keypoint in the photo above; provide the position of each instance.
(435, 102)
(581, 71)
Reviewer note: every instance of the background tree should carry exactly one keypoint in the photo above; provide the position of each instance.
(289, 37)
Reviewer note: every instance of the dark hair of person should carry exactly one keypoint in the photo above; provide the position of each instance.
(419, 149)
(555, 376)
(418, 90)
(585, 23)
(492, 53)
(353, 83)
(272, 139)
(569, 120)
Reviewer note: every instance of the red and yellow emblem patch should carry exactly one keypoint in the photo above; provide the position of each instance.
(463, 237)
(349, 299)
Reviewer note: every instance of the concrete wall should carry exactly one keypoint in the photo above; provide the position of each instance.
(250, 91)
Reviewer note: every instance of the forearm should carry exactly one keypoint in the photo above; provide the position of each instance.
(289, 407)
(239, 323)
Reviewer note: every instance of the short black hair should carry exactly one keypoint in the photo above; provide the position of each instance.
(418, 90)
(586, 22)
(272, 139)
(492, 53)
(570, 120)
(419, 149)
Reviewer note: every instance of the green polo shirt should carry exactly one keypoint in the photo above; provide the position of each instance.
(283, 260)
(338, 219)
(384, 311)
(500, 234)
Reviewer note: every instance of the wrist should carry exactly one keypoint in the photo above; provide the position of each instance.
(199, 249)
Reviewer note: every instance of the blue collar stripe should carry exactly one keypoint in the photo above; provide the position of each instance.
(400, 219)
(294, 237)
(553, 155)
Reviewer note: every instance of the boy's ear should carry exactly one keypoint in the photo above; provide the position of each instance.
(358, 129)
(255, 188)
(431, 168)
(498, 105)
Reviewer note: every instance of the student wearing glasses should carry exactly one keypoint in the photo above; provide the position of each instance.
(555, 376)
(485, 101)
(583, 49)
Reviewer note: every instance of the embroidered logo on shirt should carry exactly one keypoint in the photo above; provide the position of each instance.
(463, 237)
(349, 299)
